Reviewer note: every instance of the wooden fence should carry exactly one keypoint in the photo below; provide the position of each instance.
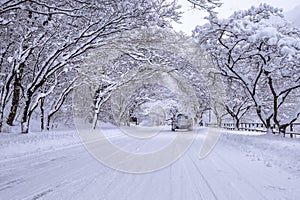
(293, 129)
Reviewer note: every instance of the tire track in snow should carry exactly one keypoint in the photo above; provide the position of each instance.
(203, 178)
(233, 169)
(10, 184)
(214, 166)
(117, 173)
(171, 181)
(57, 172)
(188, 172)
(46, 189)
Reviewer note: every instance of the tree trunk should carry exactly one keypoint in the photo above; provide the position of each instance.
(48, 121)
(283, 131)
(27, 122)
(15, 101)
(25, 119)
(269, 130)
(268, 126)
(42, 113)
(237, 123)
(219, 121)
(1, 120)
(26, 115)
(95, 119)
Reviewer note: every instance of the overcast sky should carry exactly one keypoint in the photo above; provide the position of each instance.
(192, 17)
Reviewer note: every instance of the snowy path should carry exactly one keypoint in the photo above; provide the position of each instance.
(71, 173)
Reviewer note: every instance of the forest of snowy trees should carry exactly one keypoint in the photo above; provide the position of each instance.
(44, 42)
(51, 48)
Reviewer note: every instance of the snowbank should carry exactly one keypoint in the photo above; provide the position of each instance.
(269, 149)
(14, 145)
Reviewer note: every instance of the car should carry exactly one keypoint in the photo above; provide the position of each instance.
(181, 121)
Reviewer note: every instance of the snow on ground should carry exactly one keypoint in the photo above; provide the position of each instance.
(271, 150)
(14, 145)
(55, 165)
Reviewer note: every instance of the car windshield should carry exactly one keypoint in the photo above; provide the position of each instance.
(181, 116)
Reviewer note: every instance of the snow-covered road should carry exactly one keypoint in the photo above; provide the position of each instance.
(72, 173)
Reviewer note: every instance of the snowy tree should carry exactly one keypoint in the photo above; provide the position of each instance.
(207, 5)
(169, 63)
(261, 55)
(238, 101)
(45, 37)
(216, 96)
(126, 61)
(56, 100)
(149, 93)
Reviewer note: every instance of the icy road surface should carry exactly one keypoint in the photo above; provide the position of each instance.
(232, 171)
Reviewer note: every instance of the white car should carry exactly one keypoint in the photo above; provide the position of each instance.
(182, 121)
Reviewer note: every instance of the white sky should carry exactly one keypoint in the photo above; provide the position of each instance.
(192, 17)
